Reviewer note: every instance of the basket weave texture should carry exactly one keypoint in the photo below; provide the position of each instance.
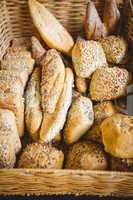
(15, 22)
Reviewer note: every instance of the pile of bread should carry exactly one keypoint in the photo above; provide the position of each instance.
(66, 107)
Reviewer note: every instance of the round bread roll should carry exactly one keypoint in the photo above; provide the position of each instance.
(115, 49)
(41, 156)
(80, 119)
(117, 134)
(87, 56)
(102, 111)
(86, 156)
(108, 83)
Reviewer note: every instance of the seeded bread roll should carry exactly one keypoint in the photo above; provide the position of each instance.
(38, 50)
(80, 119)
(102, 111)
(53, 73)
(15, 103)
(115, 49)
(18, 60)
(41, 156)
(10, 82)
(124, 165)
(8, 128)
(7, 153)
(81, 84)
(86, 156)
(33, 113)
(117, 134)
(52, 32)
(87, 56)
(108, 83)
(53, 123)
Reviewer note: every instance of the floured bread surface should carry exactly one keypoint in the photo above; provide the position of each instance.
(53, 123)
(52, 80)
(52, 32)
(80, 119)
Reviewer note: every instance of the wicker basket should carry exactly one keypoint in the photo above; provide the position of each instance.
(14, 23)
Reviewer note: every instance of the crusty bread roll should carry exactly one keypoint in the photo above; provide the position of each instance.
(81, 84)
(18, 60)
(86, 156)
(53, 123)
(102, 111)
(115, 49)
(118, 164)
(80, 119)
(117, 134)
(15, 103)
(111, 16)
(87, 56)
(33, 113)
(108, 83)
(7, 153)
(8, 128)
(53, 73)
(52, 32)
(38, 50)
(94, 28)
(41, 156)
(10, 82)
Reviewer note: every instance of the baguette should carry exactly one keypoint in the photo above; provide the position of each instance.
(53, 123)
(33, 113)
(52, 32)
(53, 73)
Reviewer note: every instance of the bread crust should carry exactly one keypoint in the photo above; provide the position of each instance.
(33, 112)
(52, 80)
(53, 123)
(80, 119)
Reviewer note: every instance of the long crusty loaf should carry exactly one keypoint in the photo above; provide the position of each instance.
(33, 113)
(53, 123)
(53, 73)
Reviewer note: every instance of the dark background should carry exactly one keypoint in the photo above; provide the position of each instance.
(59, 198)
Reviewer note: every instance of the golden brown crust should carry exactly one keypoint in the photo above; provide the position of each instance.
(102, 111)
(111, 16)
(15, 103)
(80, 119)
(52, 32)
(108, 83)
(86, 156)
(37, 49)
(8, 128)
(53, 73)
(117, 133)
(33, 113)
(115, 48)
(41, 156)
(53, 123)
(81, 84)
(94, 28)
(87, 56)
